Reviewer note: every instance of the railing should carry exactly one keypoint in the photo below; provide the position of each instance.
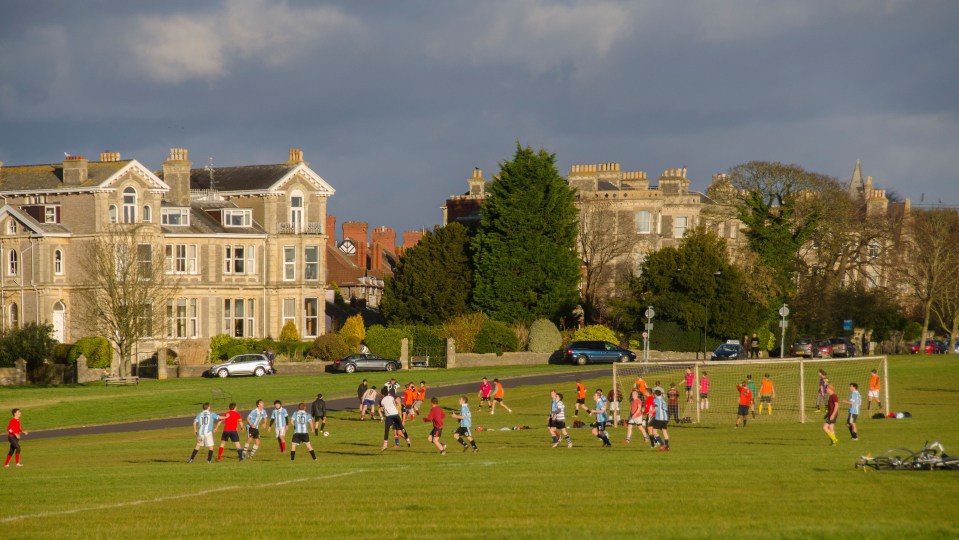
(299, 228)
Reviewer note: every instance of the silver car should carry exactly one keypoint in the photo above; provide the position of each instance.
(244, 364)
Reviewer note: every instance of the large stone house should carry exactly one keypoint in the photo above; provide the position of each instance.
(247, 244)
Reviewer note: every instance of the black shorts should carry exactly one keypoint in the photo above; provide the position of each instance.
(581, 401)
(600, 426)
(485, 398)
(464, 431)
(559, 424)
(550, 422)
(393, 422)
(498, 400)
(252, 432)
(743, 410)
(689, 388)
(436, 432)
(704, 395)
(407, 408)
(232, 436)
(301, 438)
(659, 424)
(851, 419)
(765, 398)
(318, 419)
(830, 420)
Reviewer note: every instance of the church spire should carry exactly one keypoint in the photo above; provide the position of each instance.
(857, 188)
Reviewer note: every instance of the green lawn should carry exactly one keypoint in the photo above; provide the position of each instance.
(770, 480)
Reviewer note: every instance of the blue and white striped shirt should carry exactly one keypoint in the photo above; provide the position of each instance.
(662, 413)
(467, 420)
(855, 400)
(280, 417)
(601, 407)
(205, 422)
(301, 422)
(256, 416)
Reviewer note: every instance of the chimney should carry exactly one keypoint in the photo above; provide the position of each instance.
(477, 183)
(296, 156)
(108, 156)
(356, 232)
(376, 256)
(411, 238)
(331, 230)
(74, 170)
(176, 174)
(385, 237)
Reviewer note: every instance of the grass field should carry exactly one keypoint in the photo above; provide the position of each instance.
(770, 480)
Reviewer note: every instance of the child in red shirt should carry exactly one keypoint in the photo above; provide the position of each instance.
(436, 416)
(745, 400)
(13, 437)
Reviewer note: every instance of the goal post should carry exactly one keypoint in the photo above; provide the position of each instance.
(786, 390)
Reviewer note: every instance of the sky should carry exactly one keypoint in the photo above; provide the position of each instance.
(395, 103)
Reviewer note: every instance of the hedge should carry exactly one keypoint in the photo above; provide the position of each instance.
(496, 337)
(544, 337)
(98, 351)
(384, 342)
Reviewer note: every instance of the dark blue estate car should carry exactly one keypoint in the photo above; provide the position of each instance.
(591, 352)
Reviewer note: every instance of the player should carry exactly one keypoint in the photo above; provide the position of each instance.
(580, 398)
(874, 386)
(641, 385)
(558, 420)
(391, 386)
(204, 425)
(231, 423)
(854, 402)
(436, 416)
(821, 393)
(704, 392)
(420, 397)
(832, 411)
(391, 420)
(745, 399)
(673, 396)
(752, 393)
(689, 378)
(485, 393)
(302, 424)
(256, 417)
(369, 402)
(635, 416)
(659, 420)
(14, 432)
(767, 391)
(318, 410)
(464, 433)
(599, 427)
(615, 398)
(409, 397)
(360, 390)
(498, 397)
(280, 417)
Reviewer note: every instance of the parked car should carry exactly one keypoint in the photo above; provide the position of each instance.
(822, 348)
(930, 348)
(842, 346)
(729, 351)
(590, 352)
(244, 364)
(801, 347)
(365, 362)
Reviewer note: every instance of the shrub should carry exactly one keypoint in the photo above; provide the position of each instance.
(496, 337)
(522, 336)
(544, 337)
(427, 339)
(295, 351)
(464, 330)
(595, 332)
(353, 331)
(329, 347)
(385, 342)
(33, 342)
(669, 336)
(221, 344)
(60, 352)
(289, 332)
(98, 351)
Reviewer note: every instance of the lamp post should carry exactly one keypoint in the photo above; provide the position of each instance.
(650, 313)
(783, 312)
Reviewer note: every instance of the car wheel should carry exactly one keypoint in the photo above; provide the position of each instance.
(390, 367)
(581, 360)
(259, 372)
(623, 358)
(350, 368)
(223, 374)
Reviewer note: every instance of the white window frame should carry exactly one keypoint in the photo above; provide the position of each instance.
(289, 311)
(12, 226)
(182, 217)
(311, 267)
(147, 214)
(13, 263)
(289, 263)
(49, 214)
(314, 318)
(242, 311)
(181, 259)
(113, 213)
(129, 207)
(246, 259)
(237, 217)
(677, 228)
(183, 318)
(58, 262)
(640, 222)
(297, 211)
(14, 313)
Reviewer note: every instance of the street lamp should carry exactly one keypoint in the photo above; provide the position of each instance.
(650, 313)
(783, 312)
(717, 273)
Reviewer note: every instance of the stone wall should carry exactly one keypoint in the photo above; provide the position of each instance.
(86, 374)
(466, 360)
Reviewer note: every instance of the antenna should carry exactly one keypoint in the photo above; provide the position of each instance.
(209, 169)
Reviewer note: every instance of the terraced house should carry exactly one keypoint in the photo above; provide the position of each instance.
(245, 244)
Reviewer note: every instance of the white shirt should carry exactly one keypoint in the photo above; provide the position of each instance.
(389, 406)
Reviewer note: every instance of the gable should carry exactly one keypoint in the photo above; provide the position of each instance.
(22, 219)
(138, 170)
(302, 172)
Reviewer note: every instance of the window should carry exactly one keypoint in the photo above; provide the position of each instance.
(146, 320)
(289, 310)
(237, 217)
(238, 317)
(175, 216)
(312, 257)
(13, 266)
(12, 226)
(145, 260)
(643, 221)
(183, 318)
(14, 316)
(50, 214)
(680, 224)
(129, 205)
(147, 214)
(181, 259)
(113, 213)
(58, 262)
(296, 211)
(239, 260)
(873, 249)
(733, 230)
(289, 263)
(311, 317)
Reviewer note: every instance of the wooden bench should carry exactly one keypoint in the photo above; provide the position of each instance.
(122, 381)
(219, 394)
(419, 362)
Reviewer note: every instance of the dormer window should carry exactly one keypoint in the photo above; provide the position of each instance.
(237, 217)
(175, 216)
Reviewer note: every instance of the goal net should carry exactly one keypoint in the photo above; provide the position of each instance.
(786, 390)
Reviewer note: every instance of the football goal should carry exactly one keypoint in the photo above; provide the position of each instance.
(786, 390)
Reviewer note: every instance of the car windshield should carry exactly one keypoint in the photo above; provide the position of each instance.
(726, 348)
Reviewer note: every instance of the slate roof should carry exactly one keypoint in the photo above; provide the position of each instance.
(50, 177)
(203, 223)
(249, 177)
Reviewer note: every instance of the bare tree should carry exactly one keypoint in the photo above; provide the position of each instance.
(126, 287)
(606, 238)
(929, 258)
(945, 304)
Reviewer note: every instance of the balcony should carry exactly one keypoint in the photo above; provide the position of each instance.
(299, 228)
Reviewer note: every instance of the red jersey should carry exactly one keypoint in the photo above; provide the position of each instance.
(648, 406)
(745, 395)
(436, 416)
(485, 389)
(689, 379)
(833, 406)
(634, 407)
(231, 420)
(704, 385)
(409, 396)
(13, 428)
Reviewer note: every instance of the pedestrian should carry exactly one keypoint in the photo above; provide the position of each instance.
(363, 349)
(558, 419)
(302, 424)
(464, 433)
(485, 394)
(832, 411)
(254, 420)
(854, 402)
(14, 432)
(754, 346)
(360, 390)
(231, 423)
(391, 420)
(689, 379)
(409, 398)
(204, 425)
(318, 411)
(279, 417)
(498, 393)
(615, 398)
(821, 393)
(600, 410)
(436, 416)
(420, 397)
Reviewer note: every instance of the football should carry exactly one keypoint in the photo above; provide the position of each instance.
(326, 433)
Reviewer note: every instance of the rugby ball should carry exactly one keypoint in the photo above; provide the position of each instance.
(326, 433)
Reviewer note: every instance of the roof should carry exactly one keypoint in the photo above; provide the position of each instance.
(245, 178)
(340, 269)
(202, 222)
(50, 177)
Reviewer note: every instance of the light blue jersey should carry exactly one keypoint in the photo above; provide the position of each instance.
(662, 413)
(256, 416)
(601, 407)
(301, 422)
(552, 408)
(205, 422)
(467, 420)
(280, 417)
(855, 400)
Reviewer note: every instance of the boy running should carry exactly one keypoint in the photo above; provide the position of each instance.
(767, 392)
(855, 401)
(660, 421)
(635, 416)
(832, 412)
(704, 392)
(752, 394)
(302, 424)
(318, 410)
(599, 427)
(391, 420)
(281, 418)
(580, 398)
(420, 397)
(256, 417)
(558, 419)
(204, 425)
(409, 397)
(466, 422)
(14, 431)
(485, 391)
(673, 396)
(874, 386)
(689, 378)
(436, 416)
(498, 397)
(745, 400)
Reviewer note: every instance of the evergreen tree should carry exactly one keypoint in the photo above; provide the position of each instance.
(433, 281)
(525, 249)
